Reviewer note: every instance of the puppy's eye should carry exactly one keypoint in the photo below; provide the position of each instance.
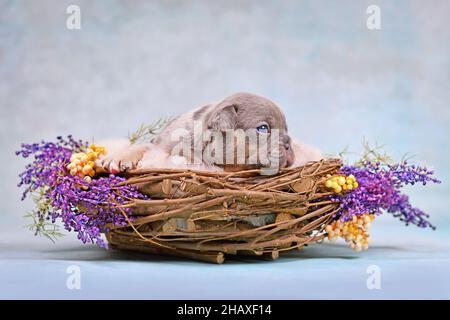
(263, 128)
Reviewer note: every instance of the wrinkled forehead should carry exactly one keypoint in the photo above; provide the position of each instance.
(252, 113)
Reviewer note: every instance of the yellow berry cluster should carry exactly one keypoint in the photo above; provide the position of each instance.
(354, 231)
(83, 163)
(341, 183)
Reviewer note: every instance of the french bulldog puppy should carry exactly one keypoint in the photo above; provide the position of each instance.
(243, 131)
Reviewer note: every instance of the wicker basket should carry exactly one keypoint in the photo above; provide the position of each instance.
(208, 215)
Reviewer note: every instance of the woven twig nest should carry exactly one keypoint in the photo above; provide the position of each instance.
(209, 215)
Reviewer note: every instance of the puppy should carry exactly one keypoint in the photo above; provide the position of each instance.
(244, 131)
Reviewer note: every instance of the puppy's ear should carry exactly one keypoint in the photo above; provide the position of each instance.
(224, 118)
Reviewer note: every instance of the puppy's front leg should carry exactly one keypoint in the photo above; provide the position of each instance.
(121, 155)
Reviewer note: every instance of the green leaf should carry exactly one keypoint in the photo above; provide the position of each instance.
(145, 132)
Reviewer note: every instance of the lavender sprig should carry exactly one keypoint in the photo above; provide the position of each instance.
(84, 207)
(379, 189)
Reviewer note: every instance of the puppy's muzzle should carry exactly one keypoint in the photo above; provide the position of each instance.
(288, 151)
(282, 155)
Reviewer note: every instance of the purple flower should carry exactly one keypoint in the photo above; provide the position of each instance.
(379, 190)
(84, 207)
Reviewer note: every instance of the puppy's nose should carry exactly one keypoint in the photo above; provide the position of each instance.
(287, 146)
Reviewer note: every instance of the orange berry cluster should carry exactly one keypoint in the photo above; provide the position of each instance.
(355, 231)
(83, 163)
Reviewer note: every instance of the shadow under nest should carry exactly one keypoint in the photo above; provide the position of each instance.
(205, 215)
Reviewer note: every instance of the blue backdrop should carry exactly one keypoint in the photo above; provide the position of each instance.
(137, 61)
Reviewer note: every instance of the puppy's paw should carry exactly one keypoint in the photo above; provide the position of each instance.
(116, 164)
(121, 158)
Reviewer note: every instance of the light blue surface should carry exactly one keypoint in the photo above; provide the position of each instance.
(413, 265)
(136, 61)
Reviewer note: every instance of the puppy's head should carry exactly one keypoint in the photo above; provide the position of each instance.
(266, 143)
